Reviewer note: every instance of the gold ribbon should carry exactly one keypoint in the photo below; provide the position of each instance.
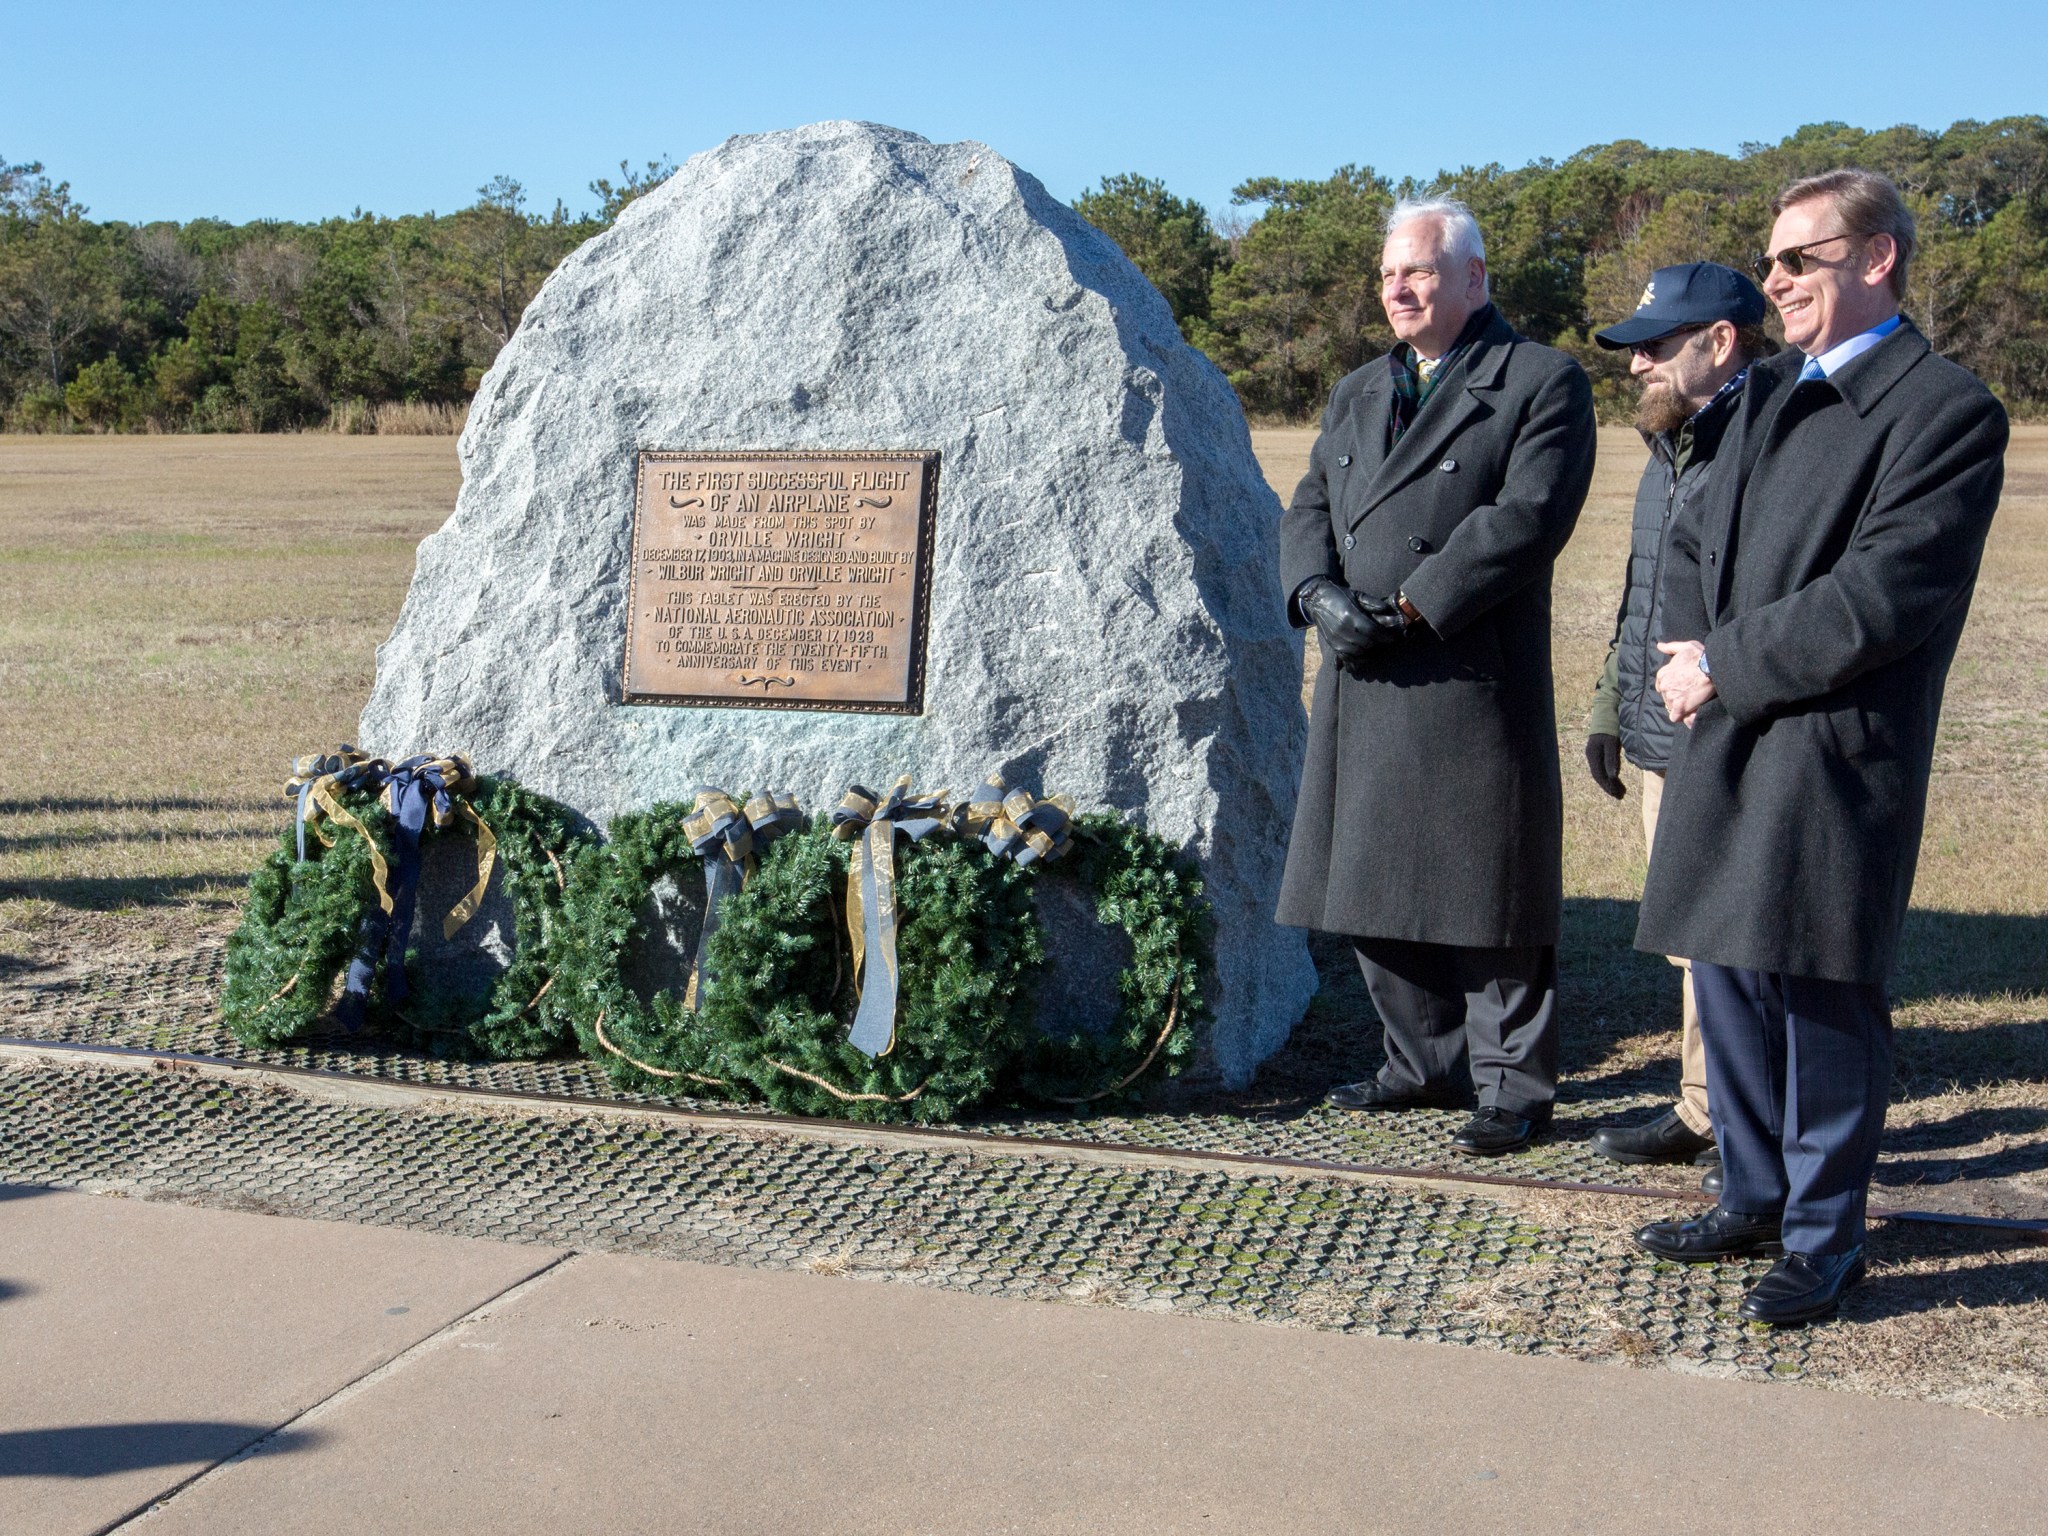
(316, 784)
(1018, 825)
(486, 856)
(330, 805)
(322, 771)
(729, 841)
(872, 822)
(319, 780)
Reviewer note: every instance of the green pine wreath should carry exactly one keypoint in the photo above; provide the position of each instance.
(784, 993)
(656, 1046)
(775, 1013)
(535, 836)
(1141, 884)
(774, 1017)
(302, 920)
(298, 930)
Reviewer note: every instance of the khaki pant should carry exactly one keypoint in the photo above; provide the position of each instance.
(1692, 1054)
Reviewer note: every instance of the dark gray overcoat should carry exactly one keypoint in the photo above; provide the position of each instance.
(1828, 567)
(1430, 807)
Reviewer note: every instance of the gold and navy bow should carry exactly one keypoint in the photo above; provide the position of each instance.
(413, 790)
(872, 823)
(729, 840)
(442, 786)
(1018, 825)
(316, 782)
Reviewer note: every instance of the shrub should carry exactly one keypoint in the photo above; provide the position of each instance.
(103, 396)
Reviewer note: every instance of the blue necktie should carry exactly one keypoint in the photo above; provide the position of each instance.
(1811, 371)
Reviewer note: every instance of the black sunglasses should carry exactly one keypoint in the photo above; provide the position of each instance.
(1792, 258)
(1655, 350)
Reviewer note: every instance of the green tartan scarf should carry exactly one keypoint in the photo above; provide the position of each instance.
(1411, 389)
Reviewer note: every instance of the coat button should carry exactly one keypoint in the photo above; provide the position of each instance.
(1449, 466)
(1710, 555)
(1350, 542)
(1419, 544)
(1343, 461)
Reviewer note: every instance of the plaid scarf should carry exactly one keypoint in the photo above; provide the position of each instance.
(1688, 434)
(1411, 389)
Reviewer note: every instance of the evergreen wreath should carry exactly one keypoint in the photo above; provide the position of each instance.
(298, 930)
(1141, 884)
(774, 1014)
(784, 995)
(773, 1020)
(655, 1046)
(303, 919)
(536, 837)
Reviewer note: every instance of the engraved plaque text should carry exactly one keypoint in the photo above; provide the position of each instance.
(781, 580)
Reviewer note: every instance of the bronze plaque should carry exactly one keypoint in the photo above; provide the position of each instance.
(781, 580)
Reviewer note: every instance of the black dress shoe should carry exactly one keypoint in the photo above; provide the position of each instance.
(1373, 1094)
(1720, 1234)
(1802, 1288)
(1493, 1131)
(1666, 1139)
(1710, 1181)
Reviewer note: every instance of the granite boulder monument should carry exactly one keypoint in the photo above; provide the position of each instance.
(845, 454)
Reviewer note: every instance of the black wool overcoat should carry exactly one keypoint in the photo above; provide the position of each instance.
(1828, 567)
(1430, 806)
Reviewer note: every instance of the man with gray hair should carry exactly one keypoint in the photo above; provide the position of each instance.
(1446, 478)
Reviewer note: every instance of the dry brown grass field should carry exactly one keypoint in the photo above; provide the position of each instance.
(175, 614)
(181, 615)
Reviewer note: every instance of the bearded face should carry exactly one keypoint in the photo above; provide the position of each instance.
(1661, 409)
(1679, 375)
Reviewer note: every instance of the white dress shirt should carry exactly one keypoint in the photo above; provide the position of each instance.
(1830, 362)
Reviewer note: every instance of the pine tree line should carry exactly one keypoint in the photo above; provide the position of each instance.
(1284, 293)
(265, 326)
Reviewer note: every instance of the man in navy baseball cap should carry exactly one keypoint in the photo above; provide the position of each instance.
(1687, 298)
(1692, 338)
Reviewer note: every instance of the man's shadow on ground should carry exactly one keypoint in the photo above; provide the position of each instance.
(100, 1450)
(1917, 1267)
(1620, 1013)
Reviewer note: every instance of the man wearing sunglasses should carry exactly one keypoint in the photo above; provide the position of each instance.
(1690, 343)
(1814, 594)
(1430, 830)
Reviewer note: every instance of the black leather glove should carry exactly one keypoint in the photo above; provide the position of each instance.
(1386, 613)
(1352, 627)
(1603, 761)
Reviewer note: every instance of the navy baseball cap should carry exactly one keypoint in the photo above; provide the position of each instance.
(1698, 293)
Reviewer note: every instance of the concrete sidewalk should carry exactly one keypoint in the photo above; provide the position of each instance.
(400, 1381)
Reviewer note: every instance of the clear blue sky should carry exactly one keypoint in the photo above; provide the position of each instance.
(292, 110)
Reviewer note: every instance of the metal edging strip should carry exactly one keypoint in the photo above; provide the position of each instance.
(921, 1136)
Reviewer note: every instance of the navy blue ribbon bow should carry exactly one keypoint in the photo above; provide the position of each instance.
(414, 789)
(729, 840)
(1018, 825)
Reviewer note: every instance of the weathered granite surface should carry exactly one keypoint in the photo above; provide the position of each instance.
(1105, 617)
